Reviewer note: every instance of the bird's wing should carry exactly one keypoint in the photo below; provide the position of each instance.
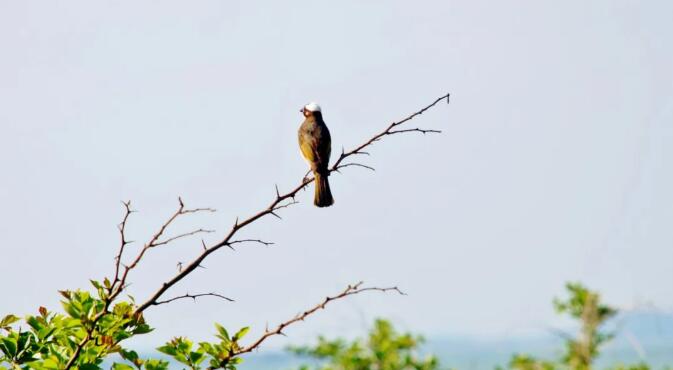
(316, 150)
(307, 147)
(325, 147)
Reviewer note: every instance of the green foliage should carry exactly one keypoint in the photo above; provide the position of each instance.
(92, 328)
(580, 353)
(220, 355)
(525, 362)
(639, 366)
(384, 349)
(585, 306)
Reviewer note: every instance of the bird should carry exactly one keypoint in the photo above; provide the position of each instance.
(315, 145)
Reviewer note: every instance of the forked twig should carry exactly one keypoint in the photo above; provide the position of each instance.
(194, 297)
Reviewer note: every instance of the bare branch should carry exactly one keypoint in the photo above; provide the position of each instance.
(291, 203)
(414, 130)
(354, 164)
(195, 210)
(181, 211)
(122, 235)
(154, 242)
(250, 241)
(198, 231)
(119, 283)
(277, 204)
(194, 297)
(350, 290)
(388, 131)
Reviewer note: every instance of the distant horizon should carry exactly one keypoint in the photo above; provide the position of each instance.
(478, 353)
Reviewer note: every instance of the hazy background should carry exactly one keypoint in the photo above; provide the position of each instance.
(554, 163)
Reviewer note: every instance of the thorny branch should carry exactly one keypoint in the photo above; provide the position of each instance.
(258, 241)
(284, 200)
(124, 242)
(174, 238)
(388, 131)
(194, 297)
(350, 290)
(119, 283)
(155, 242)
(281, 201)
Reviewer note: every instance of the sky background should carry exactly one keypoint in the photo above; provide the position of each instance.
(554, 163)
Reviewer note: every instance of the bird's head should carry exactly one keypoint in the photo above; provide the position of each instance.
(311, 109)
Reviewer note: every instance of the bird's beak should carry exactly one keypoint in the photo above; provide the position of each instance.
(302, 110)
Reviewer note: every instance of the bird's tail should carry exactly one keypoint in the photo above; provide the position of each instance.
(323, 194)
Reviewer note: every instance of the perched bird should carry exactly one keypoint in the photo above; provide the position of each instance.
(315, 144)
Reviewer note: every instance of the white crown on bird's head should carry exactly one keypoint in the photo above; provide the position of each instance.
(312, 107)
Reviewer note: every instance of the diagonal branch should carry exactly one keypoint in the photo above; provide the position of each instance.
(350, 290)
(275, 205)
(388, 131)
(281, 201)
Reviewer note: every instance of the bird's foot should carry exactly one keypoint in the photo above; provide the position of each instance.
(306, 179)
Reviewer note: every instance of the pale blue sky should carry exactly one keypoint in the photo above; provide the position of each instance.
(554, 164)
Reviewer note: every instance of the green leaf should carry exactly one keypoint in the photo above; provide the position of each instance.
(89, 367)
(71, 310)
(50, 363)
(35, 323)
(45, 333)
(8, 346)
(167, 349)
(119, 366)
(156, 365)
(241, 333)
(180, 357)
(129, 355)
(121, 335)
(8, 320)
(196, 357)
(207, 348)
(23, 340)
(142, 329)
(223, 332)
(236, 360)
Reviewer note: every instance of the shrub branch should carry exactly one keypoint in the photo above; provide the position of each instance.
(350, 290)
(280, 201)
